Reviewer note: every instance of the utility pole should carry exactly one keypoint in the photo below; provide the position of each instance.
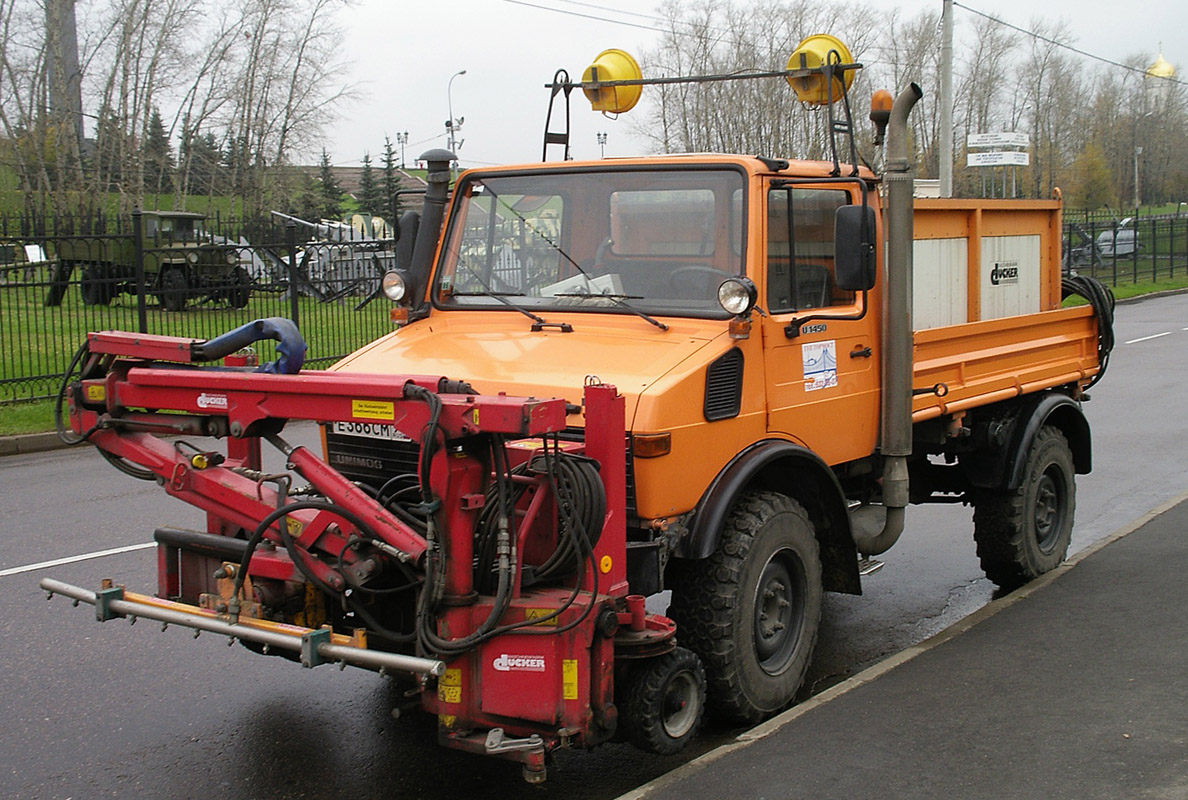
(946, 108)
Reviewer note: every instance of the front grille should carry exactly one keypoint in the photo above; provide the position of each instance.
(371, 460)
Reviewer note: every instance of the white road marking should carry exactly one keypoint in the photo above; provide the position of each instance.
(1148, 338)
(4, 573)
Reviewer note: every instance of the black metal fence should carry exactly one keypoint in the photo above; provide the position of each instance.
(180, 275)
(169, 274)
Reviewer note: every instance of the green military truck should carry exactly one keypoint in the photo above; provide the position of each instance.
(181, 262)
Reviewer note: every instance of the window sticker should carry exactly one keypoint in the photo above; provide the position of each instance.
(820, 365)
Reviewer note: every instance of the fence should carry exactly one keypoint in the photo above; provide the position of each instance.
(167, 275)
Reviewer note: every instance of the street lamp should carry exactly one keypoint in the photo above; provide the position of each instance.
(451, 123)
(602, 143)
(402, 140)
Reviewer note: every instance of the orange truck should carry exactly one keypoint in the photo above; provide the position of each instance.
(723, 377)
(792, 383)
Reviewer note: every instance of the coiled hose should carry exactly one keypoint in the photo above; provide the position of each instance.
(1101, 299)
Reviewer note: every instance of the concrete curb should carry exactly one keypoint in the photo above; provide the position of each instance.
(29, 443)
(872, 673)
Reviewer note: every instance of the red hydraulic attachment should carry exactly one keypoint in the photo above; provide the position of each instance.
(500, 575)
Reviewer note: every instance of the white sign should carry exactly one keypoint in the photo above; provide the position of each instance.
(1005, 139)
(997, 158)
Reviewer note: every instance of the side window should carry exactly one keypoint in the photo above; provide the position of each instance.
(800, 238)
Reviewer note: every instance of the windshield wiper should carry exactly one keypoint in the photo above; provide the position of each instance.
(538, 322)
(621, 301)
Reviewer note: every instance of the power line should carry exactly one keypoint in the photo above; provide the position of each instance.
(586, 16)
(1062, 45)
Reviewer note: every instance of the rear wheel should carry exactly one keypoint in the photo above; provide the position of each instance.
(174, 288)
(1024, 533)
(752, 609)
(664, 701)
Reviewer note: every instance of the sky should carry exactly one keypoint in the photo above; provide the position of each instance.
(403, 54)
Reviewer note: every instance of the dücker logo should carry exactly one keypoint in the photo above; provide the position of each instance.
(508, 663)
(1004, 273)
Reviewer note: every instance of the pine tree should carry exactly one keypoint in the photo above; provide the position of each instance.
(370, 198)
(158, 157)
(331, 190)
(391, 183)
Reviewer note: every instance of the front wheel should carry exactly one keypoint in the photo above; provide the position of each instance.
(240, 291)
(174, 288)
(663, 702)
(752, 609)
(1022, 534)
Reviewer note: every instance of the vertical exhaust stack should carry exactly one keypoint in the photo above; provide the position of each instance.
(432, 214)
(896, 443)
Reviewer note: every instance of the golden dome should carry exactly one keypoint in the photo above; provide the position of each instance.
(1161, 69)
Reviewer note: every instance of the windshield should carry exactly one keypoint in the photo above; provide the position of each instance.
(615, 241)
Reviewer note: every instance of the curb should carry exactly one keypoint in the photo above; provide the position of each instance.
(29, 443)
(875, 671)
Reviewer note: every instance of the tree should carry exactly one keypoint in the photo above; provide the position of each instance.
(330, 190)
(391, 182)
(704, 37)
(158, 157)
(371, 193)
(1092, 187)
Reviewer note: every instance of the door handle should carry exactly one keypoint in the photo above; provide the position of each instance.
(860, 352)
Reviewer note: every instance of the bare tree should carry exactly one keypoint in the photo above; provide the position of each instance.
(717, 37)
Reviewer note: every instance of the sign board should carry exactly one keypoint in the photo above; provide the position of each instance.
(997, 158)
(1005, 139)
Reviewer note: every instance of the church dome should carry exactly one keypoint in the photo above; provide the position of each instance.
(1161, 69)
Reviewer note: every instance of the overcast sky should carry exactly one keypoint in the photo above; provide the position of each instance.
(404, 52)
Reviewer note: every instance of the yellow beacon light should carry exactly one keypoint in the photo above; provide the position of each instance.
(813, 53)
(612, 65)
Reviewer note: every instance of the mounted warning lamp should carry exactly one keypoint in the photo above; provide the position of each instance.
(612, 66)
(820, 56)
(820, 71)
(880, 114)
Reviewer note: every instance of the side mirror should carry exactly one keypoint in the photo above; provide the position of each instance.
(406, 237)
(854, 248)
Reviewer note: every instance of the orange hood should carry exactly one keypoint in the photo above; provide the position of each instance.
(498, 352)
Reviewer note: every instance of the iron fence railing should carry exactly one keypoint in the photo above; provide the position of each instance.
(194, 283)
(201, 282)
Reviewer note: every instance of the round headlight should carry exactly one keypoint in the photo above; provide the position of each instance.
(737, 295)
(394, 286)
(192, 257)
(232, 258)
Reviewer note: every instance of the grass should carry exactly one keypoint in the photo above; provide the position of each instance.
(34, 417)
(36, 342)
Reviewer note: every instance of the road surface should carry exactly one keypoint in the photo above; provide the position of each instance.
(118, 711)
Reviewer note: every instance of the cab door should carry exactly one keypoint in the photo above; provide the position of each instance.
(821, 348)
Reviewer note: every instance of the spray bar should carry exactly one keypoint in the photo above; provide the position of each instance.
(314, 645)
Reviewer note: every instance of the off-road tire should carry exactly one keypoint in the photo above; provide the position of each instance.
(174, 288)
(663, 703)
(753, 608)
(95, 287)
(1024, 533)
(240, 290)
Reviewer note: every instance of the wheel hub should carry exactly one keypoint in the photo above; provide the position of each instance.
(1048, 512)
(778, 605)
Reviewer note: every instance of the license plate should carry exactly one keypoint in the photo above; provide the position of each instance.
(370, 430)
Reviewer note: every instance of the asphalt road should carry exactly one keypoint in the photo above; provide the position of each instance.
(112, 710)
